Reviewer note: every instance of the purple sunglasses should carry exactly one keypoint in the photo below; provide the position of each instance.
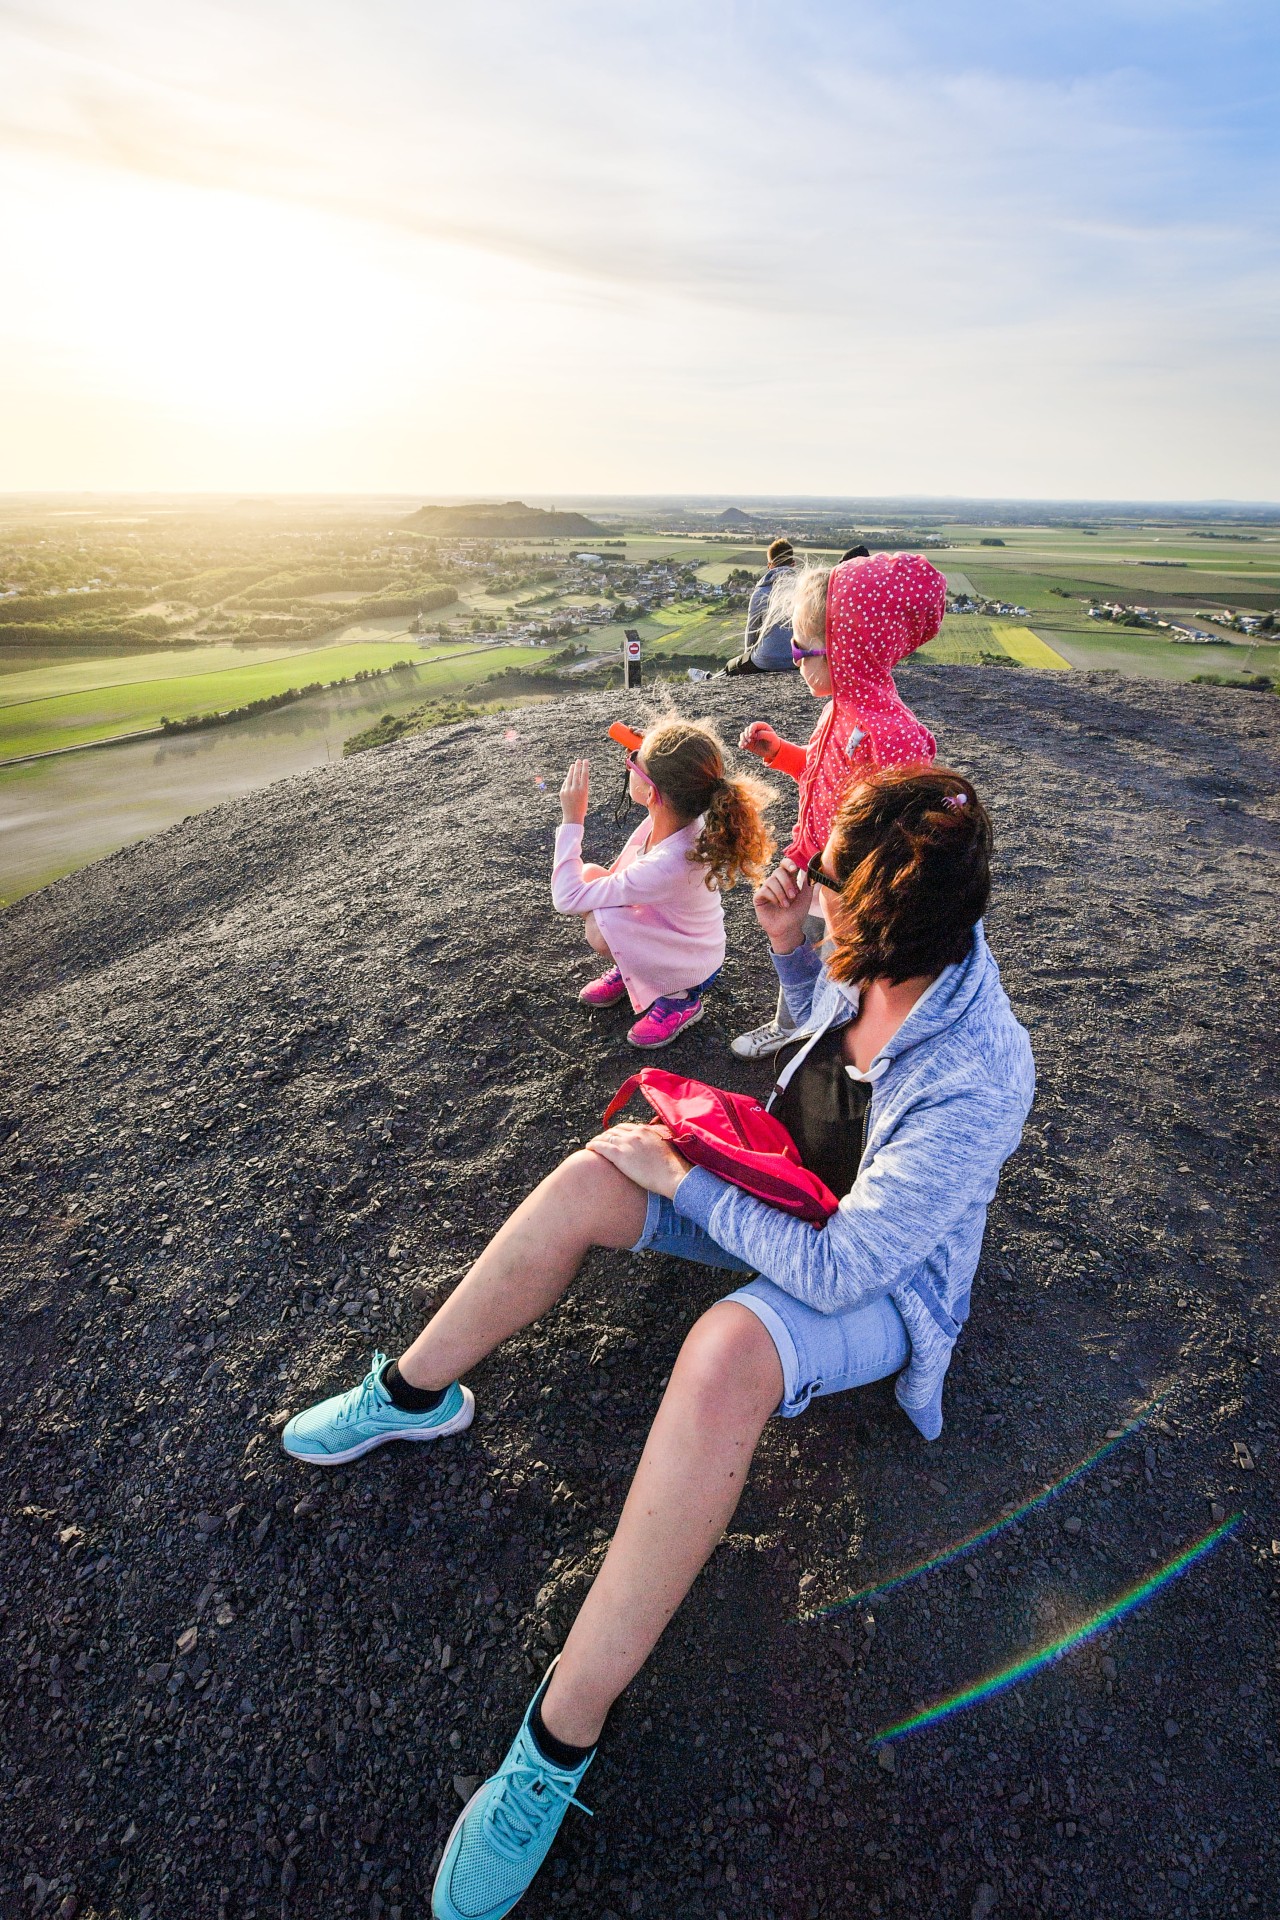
(806, 653)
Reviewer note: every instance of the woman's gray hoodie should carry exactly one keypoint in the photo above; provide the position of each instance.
(950, 1093)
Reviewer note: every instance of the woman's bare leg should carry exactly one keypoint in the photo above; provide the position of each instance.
(527, 1265)
(726, 1383)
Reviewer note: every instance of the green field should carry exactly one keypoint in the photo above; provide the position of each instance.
(51, 678)
(695, 630)
(1055, 572)
(120, 704)
(969, 640)
(1146, 656)
(452, 670)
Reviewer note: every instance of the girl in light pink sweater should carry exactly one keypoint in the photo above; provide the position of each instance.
(656, 913)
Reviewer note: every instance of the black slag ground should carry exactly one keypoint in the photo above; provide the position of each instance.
(271, 1078)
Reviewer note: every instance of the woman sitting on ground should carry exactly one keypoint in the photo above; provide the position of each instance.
(920, 1079)
(766, 647)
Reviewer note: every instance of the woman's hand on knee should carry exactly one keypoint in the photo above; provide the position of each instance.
(645, 1154)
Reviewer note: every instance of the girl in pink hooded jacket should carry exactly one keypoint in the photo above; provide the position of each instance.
(850, 628)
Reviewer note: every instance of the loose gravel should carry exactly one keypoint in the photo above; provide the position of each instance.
(273, 1077)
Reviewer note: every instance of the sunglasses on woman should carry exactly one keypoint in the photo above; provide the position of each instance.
(807, 653)
(820, 878)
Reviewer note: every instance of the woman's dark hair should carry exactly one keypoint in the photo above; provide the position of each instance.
(911, 848)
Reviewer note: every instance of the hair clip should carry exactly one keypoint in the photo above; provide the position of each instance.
(955, 801)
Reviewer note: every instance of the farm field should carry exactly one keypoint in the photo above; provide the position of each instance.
(59, 813)
(27, 659)
(31, 724)
(696, 630)
(1144, 656)
(1154, 565)
(969, 640)
(1055, 572)
(49, 679)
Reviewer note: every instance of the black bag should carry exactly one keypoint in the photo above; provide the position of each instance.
(823, 1110)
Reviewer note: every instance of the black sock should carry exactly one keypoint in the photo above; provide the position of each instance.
(558, 1752)
(409, 1399)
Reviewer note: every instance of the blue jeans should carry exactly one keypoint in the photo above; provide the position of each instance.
(820, 1353)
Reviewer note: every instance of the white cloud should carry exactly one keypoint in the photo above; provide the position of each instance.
(629, 247)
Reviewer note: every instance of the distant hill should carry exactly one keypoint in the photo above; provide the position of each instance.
(734, 517)
(488, 517)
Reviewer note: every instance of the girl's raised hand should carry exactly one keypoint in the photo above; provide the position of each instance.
(644, 1154)
(575, 793)
(759, 738)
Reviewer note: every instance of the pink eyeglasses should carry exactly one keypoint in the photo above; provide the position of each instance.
(633, 766)
(806, 653)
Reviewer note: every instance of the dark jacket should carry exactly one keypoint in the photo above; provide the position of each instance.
(769, 648)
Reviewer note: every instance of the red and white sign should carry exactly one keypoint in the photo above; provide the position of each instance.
(633, 649)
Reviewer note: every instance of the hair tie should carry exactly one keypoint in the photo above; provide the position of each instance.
(955, 801)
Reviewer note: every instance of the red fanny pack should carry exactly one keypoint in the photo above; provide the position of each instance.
(731, 1135)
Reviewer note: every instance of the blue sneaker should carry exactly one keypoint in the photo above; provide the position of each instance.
(352, 1423)
(505, 1831)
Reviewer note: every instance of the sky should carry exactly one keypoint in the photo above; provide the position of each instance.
(716, 248)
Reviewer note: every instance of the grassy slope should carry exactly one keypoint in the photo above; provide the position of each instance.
(696, 630)
(51, 680)
(73, 719)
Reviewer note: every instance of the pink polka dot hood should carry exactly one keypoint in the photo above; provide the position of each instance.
(879, 610)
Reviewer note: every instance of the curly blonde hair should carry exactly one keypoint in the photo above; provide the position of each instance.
(685, 761)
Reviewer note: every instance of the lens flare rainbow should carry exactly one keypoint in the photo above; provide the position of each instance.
(1021, 1669)
(994, 1527)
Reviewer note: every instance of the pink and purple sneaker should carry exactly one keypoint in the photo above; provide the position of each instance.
(604, 992)
(665, 1019)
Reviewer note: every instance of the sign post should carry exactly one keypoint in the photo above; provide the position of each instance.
(630, 658)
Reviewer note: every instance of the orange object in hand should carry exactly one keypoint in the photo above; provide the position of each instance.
(626, 736)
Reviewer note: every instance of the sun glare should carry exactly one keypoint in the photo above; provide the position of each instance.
(220, 308)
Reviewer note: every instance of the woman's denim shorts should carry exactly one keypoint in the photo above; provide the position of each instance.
(820, 1353)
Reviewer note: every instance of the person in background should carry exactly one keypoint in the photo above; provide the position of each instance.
(767, 645)
(852, 624)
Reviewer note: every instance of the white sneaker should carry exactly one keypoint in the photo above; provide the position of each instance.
(762, 1041)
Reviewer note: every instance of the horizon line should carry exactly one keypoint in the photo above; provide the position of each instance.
(674, 496)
